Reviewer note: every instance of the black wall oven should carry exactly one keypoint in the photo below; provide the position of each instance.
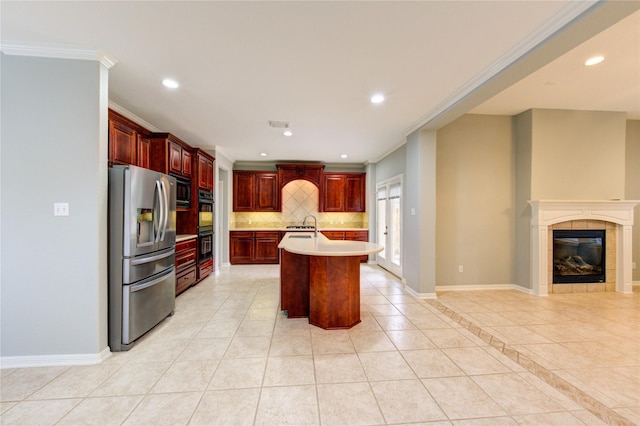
(205, 247)
(205, 212)
(183, 192)
(205, 225)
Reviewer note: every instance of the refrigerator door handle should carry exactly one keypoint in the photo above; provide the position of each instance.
(165, 208)
(159, 199)
(152, 258)
(142, 286)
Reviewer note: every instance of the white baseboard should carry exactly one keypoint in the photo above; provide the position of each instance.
(483, 287)
(474, 287)
(419, 295)
(54, 360)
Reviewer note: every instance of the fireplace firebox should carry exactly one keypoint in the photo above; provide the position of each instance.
(579, 256)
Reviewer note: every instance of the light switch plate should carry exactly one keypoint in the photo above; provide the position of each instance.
(61, 209)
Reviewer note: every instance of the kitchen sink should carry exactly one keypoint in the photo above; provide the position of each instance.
(299, 236)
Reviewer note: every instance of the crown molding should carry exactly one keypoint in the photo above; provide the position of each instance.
(565, 17)
(58, 51)
(131, 116)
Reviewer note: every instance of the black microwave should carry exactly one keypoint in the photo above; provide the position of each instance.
(183, 192)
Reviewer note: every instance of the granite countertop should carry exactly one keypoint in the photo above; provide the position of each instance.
(307, 243)
(185, 237)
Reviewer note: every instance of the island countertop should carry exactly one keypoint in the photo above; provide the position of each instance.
(306, 243)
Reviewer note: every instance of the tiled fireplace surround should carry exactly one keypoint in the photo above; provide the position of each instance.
(615, 216)
(610, 253)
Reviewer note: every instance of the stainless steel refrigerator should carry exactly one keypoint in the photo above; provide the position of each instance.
(142, 236)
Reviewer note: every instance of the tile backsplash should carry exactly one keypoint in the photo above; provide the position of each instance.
(299, 199)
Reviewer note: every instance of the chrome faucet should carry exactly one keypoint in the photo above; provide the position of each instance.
(315, 223)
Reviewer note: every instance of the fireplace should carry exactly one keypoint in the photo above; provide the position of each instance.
(579, 256)
(548, 215)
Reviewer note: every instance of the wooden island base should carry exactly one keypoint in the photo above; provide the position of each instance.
(324, 288)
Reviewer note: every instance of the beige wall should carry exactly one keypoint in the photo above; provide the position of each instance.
(475, 189)
(523, 124)
(633, 186)
(565, 155)
(577, 155)
(488, 167)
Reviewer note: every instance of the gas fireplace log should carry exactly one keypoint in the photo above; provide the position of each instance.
(572, 265)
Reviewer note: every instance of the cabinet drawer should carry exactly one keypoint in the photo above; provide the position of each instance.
(334, 235)
(267, 234)
(241, 234)
(185, 258)
(205, 269)
(357, 235)
(185, 254)
(185, 279)
(186, 245)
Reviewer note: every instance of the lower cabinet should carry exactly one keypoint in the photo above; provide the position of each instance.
(186, 270)
(205, 269)
(349, 236)
(253, 247)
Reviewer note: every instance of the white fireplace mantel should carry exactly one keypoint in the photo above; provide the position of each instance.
(545, 213)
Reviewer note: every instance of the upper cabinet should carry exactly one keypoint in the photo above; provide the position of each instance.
(255, 191)
(127, 143)
(170, 155)
(205, 171)
(260, 190)
(143, 149)
(343, 192)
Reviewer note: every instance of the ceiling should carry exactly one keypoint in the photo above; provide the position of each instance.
(316, 65)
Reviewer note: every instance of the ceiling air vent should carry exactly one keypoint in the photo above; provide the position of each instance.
(279, 124)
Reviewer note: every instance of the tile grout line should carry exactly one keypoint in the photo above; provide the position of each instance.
(592, 405)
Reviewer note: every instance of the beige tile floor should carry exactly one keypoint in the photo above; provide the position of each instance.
(230, 356)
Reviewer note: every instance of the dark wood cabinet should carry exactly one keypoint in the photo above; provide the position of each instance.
(255, 191)
(349, 236)
(266, 247)
(253, 247)
(241, 245)
(187, 163)
(343, 192)
(205, 171)
(205, 269)
(170, 155)
(310, 172)
(333, 235)
(175, 158)
(267, 192)
(355, 192)
(128, 142)
(243, 191)
(122, 144)
(333, 195)
(186, 274)
(143, 156)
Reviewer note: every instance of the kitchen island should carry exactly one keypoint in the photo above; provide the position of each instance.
(320, 278)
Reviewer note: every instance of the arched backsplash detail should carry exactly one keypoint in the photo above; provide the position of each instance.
(299, 199)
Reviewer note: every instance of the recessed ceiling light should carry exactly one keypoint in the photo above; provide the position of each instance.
(171, 84)
(377, 98)
(263, 154)
(594, 61)
(343, 156)
(288, 133)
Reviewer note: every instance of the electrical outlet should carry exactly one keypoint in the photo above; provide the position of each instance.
(61, 209)
(633, 265)
(460, 268)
